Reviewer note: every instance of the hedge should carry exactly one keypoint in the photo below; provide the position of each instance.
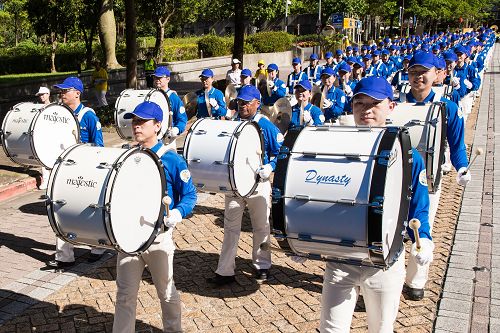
(215, 46)
(270, 41)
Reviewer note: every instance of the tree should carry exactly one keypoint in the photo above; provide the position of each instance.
(18, 14)
(239, 29)
(87, 16)
(107, 28)
(131, 40)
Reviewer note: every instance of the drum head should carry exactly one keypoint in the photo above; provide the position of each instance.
(135, 198)
(247, 153)
(160, 98)
(54, 130)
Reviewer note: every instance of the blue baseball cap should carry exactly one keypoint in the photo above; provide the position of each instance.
(392, 47)
(272, 67)
(248, 93)
(436, 48)
(425, 47)
(328, 55)
(359, 63)
(350, 59)
(246, 72)
(425, 59)
(407, 57)
(367, 56)
(385, 51)
(338, 52)
(462, 49)
(376, 53)
(296, 61)
(450, 56)
(161, 71)
(349, 48)
(328, 71)
(375, 87)
(207, 72)
(314, 56)
(146, 110)
(304, 84)
(364, 47)
(355, 49)
(440, 63)
(71, 82)
(344, 67)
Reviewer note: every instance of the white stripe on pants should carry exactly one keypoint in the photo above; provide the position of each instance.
(159, 258)
(65, 251)
(259, 205)
(381, 292)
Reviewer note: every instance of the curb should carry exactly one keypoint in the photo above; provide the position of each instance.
(16, 188)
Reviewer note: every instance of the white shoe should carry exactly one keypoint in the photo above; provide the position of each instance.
(43, 186)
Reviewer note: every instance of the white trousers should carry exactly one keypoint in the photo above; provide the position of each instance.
(45, 178)
(381, 292)
(259, 205)
(65, 251)
(159, 258)
(417, 275)
(100, 96)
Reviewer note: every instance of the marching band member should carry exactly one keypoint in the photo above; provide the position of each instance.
(313, 71)
(329, 60)
(469, 78)
(159, 257)
(261, 71)
(258, 204)
(245, 77)
(338, 57)
(296, 75)
(358, 68)
(391, 67)
(345, 83)
(333, 104)
(304, 113)
(210, 100)
(70, 91)
(367, 62)
(395, 58)
(43, 96)
(381, 289)
(161, 77)
(377, 68)
(422, 74)
(277, 87)
(233, 75)
(401, 76)
(441, 76)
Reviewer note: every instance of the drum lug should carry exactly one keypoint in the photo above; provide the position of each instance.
(302, 197)
(223, 188)
(102, 242)
(200, 132)
(284, 150)
(223, 163)
(69, 162)
(377, 204)
(32, 158)
(7, 133)
(71, 236)
(195, 160)
(386, 157)
(28, 133)
(105, 165)
(228, 134)
(61, 202)
(377, 248)
(200, 185)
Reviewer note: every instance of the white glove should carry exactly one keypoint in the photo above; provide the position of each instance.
(317, 83)
(174, 218)
(348, 91)
(307, 117)
(270, 84)
(425, 254)
(468, 84)
(298, 259)
(172, 133)
(265, 171)
(213, 103)
(455, 82)
(463, 179)
(327, 104)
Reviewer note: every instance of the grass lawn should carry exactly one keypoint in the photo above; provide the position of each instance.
(16, 78)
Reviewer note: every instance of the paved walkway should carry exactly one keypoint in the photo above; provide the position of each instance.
(82, 299)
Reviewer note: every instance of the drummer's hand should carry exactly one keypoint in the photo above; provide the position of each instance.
(173, 132)
(298, 259)
(463, 179)
(455, 82)
(424, 255)
(172, 220)
(327, 104)
(270, 84)
(265, 171)
(468, 84)
(317, 83)
(348, 91)
(307, 117)
(213, 103)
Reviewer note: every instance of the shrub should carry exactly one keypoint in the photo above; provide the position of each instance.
(270, 41)
(215, 46)
(179, 52)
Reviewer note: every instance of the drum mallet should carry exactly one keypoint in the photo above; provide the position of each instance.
(478, 151)
(414, 224)
(167, 201)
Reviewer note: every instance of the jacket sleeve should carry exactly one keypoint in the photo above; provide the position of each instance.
(419, 202)
(179, 113)
(455, 135)
(222, 110)
(94, 128)
(183, 189)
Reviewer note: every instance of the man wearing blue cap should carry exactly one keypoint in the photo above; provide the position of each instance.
(377, 67)
(296, 75)
(381, 289)
(276, 86)
(401, 77)
(159, 257)
(258, 203)
(348, 51)
(422, 74)
(391, 67)
(339, 57)
(313, 71)
(469, 78)
(70, 91)
(334, 101)
(210, 100)
(396, 59)
(245, 77)
(345, 83)
(304, 113)
(367, 63)
(329, 60)
(161, 77)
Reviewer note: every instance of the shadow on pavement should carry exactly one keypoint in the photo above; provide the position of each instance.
(35, 208)
(26, 246)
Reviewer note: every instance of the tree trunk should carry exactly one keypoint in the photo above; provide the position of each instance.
(131, 41)
(239, 30)
(107, 26)
(53, 48)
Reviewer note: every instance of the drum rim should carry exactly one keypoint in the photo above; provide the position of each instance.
(434, 180)
(108, 197)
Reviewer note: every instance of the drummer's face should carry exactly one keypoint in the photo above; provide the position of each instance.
(161, 82)
(145, 130)
(271, 74)
(69, 96)
(296, 67)
(421, 78)
(369, 111)
(245, 80)
(328, 80)
(302, 94)
(206, 81)
(247, 109)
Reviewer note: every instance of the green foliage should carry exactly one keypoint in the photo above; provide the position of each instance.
(215, 46)
(270, 41)
(178, 52)
(105, 115)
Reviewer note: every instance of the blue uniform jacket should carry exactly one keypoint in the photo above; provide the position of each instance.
(397, 61)
(293, 79)
(454, 130)
(315, 112)
(338, 98)
(90, 127)
(313, 75)
(277, 92)
(470, 73)
(202, 106)
(400, 78)
(179, 116)
(273, 139)
(179, 183)
(419, 202)
(379, 69)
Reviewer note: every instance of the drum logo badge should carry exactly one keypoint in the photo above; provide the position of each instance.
(55, 118)
(137, 159)
(312, 176)
(20, 120)
(80, 182)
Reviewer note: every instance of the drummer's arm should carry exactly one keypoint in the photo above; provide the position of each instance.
(280, 89)
(182, 184)
(221, 109)
(94, 129)
(179, 116)
(419, 202)
(275, 140)
(455, 137)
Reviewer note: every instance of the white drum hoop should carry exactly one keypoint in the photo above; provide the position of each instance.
(106, 196)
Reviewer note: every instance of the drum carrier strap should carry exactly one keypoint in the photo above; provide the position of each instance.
(82, 113)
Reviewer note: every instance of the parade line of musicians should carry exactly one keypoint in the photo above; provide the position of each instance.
(359, 81)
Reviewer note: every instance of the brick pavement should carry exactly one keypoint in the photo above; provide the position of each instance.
(82, 300)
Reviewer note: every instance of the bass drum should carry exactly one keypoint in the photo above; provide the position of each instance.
(224, 156)
(107, 197)
(346, 201)
(129, 99)
(427, 127)
(35, 134)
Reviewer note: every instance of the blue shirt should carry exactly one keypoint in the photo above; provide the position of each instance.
(399, 79)
(338, 98)
(179, 182)
(221, 110)
(273, 139)
(467, 72)
(293, 79)
(454, 130)
(179, 116)
(313, 74)
(315, 112)
(379, 69)
(397, 61)
(90, 127)
(419, 202)
(278, 91)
